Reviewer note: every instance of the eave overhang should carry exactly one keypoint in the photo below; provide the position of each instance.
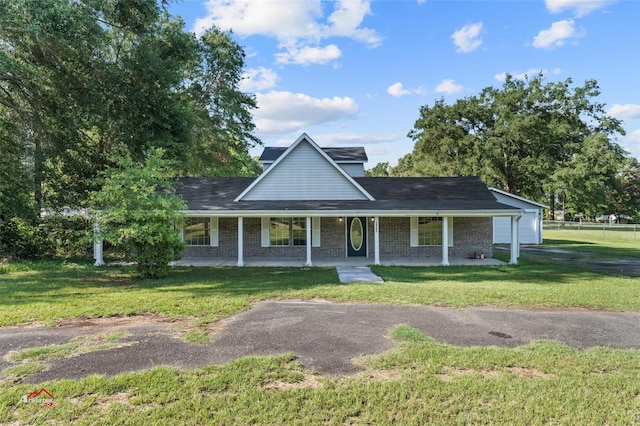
(355, 212)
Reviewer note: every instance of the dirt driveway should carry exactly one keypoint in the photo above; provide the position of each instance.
(325, 336)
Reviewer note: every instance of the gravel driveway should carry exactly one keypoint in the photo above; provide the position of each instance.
(325, 336)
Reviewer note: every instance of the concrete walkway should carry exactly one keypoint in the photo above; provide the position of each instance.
(357, 274)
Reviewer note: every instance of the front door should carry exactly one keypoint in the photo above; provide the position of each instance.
(356, 236)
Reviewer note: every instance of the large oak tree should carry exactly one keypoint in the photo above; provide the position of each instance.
(529, 137)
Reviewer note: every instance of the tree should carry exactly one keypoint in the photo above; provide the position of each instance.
(519, 138)
(224, 126)
(81, 80)
(379, 170)
(138, 213)
(590, 175)
(627, 199)
(404, 167)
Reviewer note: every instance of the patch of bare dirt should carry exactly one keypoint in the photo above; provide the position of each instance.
(452, 372)
(111, 323)
(525, 373)
(309, 381)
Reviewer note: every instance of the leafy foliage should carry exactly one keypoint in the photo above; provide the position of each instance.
(81, 81)
(627, 199)
(529, 137)
(139, 214)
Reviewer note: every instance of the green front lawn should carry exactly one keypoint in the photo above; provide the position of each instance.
(419, 381)
(49, 291)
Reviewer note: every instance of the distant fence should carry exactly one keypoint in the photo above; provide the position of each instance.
(606, 231)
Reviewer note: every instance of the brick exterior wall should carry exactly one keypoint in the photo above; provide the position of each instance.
(469, 235)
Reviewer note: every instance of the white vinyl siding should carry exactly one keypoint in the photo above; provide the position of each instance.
(304, 174)
(415, 237)
(354, 169)
(529, 225)
(529, 231)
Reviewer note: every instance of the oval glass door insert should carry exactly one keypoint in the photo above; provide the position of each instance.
(356, 233)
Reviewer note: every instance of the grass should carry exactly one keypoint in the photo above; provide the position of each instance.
(419, 381)
(592, 242)
(51, 291)
(44, 353)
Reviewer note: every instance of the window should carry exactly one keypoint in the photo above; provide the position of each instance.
(299, 231)
(429, 231)
(279, 231)
(286, 231)
(197, 231)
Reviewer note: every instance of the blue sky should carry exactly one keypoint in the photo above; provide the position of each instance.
(355, 72)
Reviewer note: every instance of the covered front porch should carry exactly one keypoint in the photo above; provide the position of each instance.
(296, 238)
(332, 239)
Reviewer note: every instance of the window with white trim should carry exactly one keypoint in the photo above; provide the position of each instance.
(287, 231)
(200, 231)
(429, 231)
(197, 231)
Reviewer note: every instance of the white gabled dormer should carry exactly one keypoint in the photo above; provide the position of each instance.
(304, 171)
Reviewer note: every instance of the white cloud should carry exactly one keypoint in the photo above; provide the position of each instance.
(448, 86)
(299, 26)
(281, 112)
(397, 90)
(353, 139)
(530, 73)
(467, 39)
(557, 35)
(309, 55)
(256, 79)
(625, 112)
(346, 19)
(283, 20)
(579, 7)
(632, 144)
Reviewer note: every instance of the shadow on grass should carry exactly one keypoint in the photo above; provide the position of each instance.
(246, 281)
(56, 284)
(604, 252)
(529, 272)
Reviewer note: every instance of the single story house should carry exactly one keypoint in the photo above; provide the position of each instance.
(315, 203)
(529, 226)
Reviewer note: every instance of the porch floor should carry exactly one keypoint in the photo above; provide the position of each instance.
(330, 262)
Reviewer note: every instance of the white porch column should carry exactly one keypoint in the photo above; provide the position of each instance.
(515, 241)
(97, 245)
(445, 241)
(308, 241)
(240, 242)
(376, 240)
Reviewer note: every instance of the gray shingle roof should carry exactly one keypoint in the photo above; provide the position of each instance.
(340, 155)
(391, 194)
